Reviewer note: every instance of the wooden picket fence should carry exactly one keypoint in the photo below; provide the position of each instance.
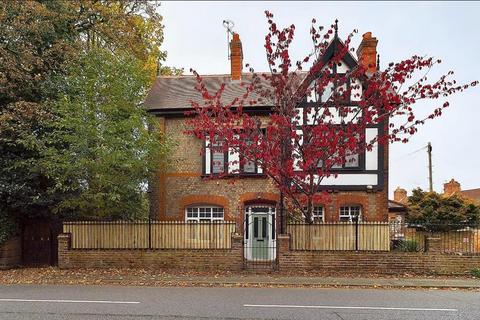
(150, 234)
(338, 236)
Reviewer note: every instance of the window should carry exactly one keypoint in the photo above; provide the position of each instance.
(351, 161)
(317, 214)
(218, 161)
(249, 166)
(350, 213)
(218, 158)
(204, 214)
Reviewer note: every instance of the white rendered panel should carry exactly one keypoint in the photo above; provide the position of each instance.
(208, 156)
(345, 179)
(371, 157)
(356, 92)
(233, 161)
(342, 67)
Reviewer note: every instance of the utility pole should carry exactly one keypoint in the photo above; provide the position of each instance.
(430, 179)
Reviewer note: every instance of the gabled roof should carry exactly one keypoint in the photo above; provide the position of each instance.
(175, 93)
(337, 43)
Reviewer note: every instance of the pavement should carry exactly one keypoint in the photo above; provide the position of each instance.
(172, 278)
(259, 280)
(18, 302)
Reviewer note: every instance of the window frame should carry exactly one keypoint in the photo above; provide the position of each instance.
(210, 164)
(242, 166)
(349, 216)
(241, 172)
(198, 218)
(316, 215)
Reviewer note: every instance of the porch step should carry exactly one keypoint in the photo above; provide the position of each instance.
(260, 265)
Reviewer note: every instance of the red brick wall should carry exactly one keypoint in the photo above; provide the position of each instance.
(373, 262)
(11, 253)
(218, 259)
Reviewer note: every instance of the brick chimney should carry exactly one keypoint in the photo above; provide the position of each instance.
(367, 52)
(236, 57)
(400, 195)
(451, 187)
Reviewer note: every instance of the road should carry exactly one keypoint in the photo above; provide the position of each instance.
(138, 303)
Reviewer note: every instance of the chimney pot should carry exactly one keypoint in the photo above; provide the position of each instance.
(400, 195)
(236, 57)
(451, 187)
(367, 52)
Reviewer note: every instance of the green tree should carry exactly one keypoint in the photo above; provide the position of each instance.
(111, 146)
(440, 213)
(40, 40)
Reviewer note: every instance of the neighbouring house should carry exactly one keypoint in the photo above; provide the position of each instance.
(453, 187)
(397, 208)
(182, 192)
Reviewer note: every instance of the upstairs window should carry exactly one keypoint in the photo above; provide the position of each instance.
(249, 166)
(219, 161)
(350, 213)
(218, 158)
(352, 161)
(215, 158)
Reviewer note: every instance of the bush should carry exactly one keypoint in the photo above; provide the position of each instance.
(440, 213)
(409, 245)
(475, 272)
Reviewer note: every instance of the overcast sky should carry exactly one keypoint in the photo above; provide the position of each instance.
(195, 38)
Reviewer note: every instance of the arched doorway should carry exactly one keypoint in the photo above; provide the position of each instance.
(260, 238)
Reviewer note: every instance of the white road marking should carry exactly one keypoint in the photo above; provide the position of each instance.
(345, 307)
(70, 301)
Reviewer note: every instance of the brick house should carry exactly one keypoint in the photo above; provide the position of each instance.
(182, 193)
(454, 187)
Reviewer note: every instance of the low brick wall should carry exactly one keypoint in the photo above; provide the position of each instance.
(373, 262)
(11, 253)
(198, 259)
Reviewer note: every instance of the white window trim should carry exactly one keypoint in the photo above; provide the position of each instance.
(350, 216)
(316, 216)
(198, 218)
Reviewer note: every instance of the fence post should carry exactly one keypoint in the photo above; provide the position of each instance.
(356, 234)
(150, 233)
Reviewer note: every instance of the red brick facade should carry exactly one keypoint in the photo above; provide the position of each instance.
(181, 184)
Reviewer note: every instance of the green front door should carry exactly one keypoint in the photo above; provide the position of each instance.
(260, 239)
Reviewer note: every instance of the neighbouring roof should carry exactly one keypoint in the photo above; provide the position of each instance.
(394, 206)
(473, 194)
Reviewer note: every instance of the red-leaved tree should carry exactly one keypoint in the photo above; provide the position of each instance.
(318, 116)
